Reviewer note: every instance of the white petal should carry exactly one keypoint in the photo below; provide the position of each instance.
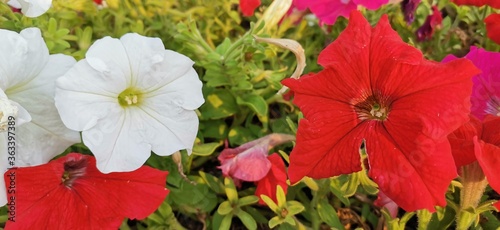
(184, 92)
(116, 142)
(108, 56)
(173, 66)
(45, 136)
(34, 8)
(23, 56)
(14, 3)
(143, 52)
(168, 126)
(84, 96)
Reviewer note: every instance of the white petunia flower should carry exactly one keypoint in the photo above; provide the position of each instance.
(27, 84)
(130, 96)
(31, 8)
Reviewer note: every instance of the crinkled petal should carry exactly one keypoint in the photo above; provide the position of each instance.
(329, 10)
(45, 136)
(94, 200)
(488, 157)
(462, 146)
(275, 177)
(118, 140)
(413, 171)
(248, 6)
(84, 96)
(109, 57)
(27, 50)
(143, 53)
(493, 27)
(183, 92)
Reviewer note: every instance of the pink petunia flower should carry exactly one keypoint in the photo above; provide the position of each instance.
(329, 10)
(376, 89)
(485, 97)
(70, 193)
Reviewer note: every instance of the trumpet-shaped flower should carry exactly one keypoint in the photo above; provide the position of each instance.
(70, 193)
(31, 8)
(485, 96)
(329, 10)
(379, 90)
(276, 176)
(28, 115)
(130, 96)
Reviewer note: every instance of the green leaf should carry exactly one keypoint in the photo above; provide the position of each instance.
(223, 47)
(212, 182)
(219, 103)
(226, 222)
(335, 189)
(225, 208)
(280, 196)
(275, 221)
(231, 192)
(247, 220)
(328, 214)
(255, 102)
(270, 203)
(294, 207)
(349, 188)
(206, 149)
(248, 200)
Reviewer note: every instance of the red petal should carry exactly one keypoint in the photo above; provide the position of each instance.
(492, 3)
(488, 157)
(248, 6)
(276, 176)
(461, 141)
(493, 26)
(491, 130)
(94, 200)
(412, 170)
(497, 205)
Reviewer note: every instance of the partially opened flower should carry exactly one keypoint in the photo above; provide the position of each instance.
(476, 149)
(329, 10)
(409, 7)
(70, 193)
(432, 22)
(249, 161)
(485, 96)
(377, 89)
(31, 8)
(492, 3)
(248, 6)
(276, 176)
(27, 84)
(493, 27)
(130, 96)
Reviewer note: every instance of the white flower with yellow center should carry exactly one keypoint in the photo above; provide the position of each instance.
(130, 96)
(27, 84)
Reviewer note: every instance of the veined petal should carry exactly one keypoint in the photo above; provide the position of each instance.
(143, 53)
(167, 126)
(109, 57)
(172, 66)
(25, 49)
(84, 96)
(488, 157)
(414, 173)
(183, 92)
(117, 141)
(461, 141)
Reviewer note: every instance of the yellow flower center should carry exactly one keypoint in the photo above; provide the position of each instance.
(129, 97)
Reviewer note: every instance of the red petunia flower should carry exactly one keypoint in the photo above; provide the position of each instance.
(432, 22)
(493, 27)
(492, 3)
(381, 90)
(276, 176)
(70, 193)
(479, 141)
(98, 2)
(248, 6)
(485, 96)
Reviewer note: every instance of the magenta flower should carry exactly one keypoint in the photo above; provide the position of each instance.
(409, 7)
(485, 97)
(432, 22)
(329, 10)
